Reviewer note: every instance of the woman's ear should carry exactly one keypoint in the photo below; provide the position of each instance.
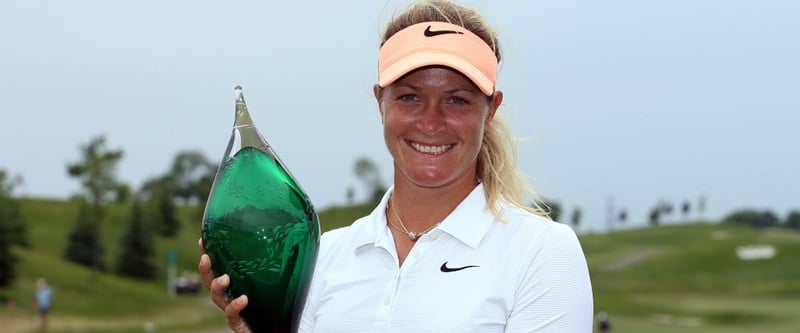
(497, 100)
(378, 91)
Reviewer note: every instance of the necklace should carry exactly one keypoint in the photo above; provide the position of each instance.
(412, 235)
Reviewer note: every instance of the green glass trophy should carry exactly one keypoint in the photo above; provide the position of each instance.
(261, 229)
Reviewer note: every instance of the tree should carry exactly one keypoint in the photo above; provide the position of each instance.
(553, 209)
(7, 259)
(137, 252)
(96, 171)
(10, 214)
(122, 192)
(793, 220)
(655, 215)
(576, 216)
(191, 176)
(701, 205)
(753, 218)
(84, 246)
(666, 208)
(350, 194)
(686, 208)
(160, 204)
(661, 209)
(12, 229)
(368, 173)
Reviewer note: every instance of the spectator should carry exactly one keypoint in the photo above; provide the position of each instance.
(603, 323)
(44, 297)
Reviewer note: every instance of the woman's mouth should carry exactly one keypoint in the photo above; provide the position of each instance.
(435, 150)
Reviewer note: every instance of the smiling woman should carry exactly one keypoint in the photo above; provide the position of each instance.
(454, 245)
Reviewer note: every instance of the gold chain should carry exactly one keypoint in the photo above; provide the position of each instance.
(413, 236)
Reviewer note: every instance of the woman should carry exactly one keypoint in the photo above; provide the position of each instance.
(452, 246)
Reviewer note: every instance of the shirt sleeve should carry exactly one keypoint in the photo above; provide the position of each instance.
(308, 317)
(307, 320)
(554, 292)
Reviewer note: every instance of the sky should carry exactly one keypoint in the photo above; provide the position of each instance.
(619, 104)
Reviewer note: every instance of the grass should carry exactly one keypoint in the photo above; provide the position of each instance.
(679, 278)
(692, 281)
(86, 300)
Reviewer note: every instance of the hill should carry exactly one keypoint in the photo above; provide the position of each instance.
(678, 278)
(688, 278)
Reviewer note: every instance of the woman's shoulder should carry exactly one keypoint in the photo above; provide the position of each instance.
(349, 236)
(341, 233)
(530, 225)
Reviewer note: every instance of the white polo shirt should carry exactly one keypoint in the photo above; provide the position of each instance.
(470, 274)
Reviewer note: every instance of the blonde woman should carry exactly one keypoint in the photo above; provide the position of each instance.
(453, 246)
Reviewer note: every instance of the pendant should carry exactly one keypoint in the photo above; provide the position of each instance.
(413, 235)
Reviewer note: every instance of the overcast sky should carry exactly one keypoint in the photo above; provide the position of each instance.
(638, 101)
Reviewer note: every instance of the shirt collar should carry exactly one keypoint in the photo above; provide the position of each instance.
(468, 223)
(372, 229)
(471, 219)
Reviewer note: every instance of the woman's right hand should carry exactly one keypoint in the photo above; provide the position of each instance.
(217, 288)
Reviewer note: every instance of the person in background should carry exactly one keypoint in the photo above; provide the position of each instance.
(603, 322)
(44, 297)
(458, 243)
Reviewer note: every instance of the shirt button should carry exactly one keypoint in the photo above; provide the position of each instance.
(386, 300)
(415, 253)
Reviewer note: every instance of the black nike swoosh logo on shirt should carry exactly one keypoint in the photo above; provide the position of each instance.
(446, 269)
(429, 33)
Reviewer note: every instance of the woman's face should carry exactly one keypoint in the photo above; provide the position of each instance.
(433, 123)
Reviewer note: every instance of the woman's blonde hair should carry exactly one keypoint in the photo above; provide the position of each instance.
(497, 159)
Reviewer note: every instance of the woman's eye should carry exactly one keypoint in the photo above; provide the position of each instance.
(407, 97)
(458, 100)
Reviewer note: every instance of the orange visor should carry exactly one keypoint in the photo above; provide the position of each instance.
(438, 43)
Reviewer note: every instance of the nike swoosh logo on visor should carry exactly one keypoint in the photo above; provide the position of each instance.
(429, 33)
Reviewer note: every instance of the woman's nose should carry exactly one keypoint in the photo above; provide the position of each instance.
(431, 120)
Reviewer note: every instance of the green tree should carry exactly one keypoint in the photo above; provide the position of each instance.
(686, 208)
(10, 214)
(655, 215)
(191, 176)
(161, 210)
(84, 246)
(576, 216)
(96, 172)
(7, 259)
(138, 251)
(350, 194)
(122, 192)
(553, 209)
(12, 229)
(793, 220)
(661, 209)
(367, 171)
(753, 218)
